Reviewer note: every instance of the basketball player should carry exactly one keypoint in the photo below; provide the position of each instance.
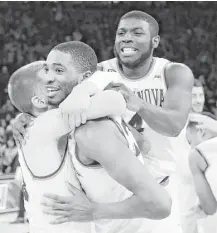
(158, 205)
(185, 190)
(107, 177)
(202, 161)
(198, 97)
(47, 143)
(158, 91)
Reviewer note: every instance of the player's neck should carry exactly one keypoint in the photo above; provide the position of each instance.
(137, 73)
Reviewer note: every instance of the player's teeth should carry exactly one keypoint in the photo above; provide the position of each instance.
(128, 49)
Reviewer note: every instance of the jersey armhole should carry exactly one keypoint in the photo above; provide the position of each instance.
(164, 72)
(49, 175)
(202, 155)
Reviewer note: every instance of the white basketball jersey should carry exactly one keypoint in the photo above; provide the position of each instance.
(36, 186)
(152, 88)
(100, 187)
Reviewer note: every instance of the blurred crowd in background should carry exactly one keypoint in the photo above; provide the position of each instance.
(28, 30)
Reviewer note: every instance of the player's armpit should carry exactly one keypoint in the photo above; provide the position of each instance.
(123, 166)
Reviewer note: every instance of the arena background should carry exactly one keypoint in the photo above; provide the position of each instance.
(28, 30)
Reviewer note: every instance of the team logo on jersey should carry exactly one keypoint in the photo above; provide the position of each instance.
(157, 76)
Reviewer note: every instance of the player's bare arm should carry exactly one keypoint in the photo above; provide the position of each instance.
(198, 165)
(106, 103)
(150, 200)
(171, 118)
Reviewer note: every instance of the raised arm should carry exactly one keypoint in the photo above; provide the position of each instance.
(171, 118)
(150, 200)
(57, 124)
(80, 95)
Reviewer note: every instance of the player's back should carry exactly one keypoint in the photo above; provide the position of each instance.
(100, 187)
(39, 153)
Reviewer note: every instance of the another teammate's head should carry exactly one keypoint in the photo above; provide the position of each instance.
(26, 89)
(195, 135)
(198, 97)
(136, 38)
(67, 65)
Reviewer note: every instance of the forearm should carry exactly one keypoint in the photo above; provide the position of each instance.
(205, 195)
(130, 208)
(106, 103)
(167, 122)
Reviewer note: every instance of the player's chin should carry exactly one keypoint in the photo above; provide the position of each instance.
(56, 101)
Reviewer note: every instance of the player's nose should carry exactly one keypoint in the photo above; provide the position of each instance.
(50, 77)
(127, 38)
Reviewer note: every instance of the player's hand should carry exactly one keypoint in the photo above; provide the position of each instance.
(19, 128)
(133, 102)
(76, 208)
(204, 122)
(75, 119)
(197, 211)
(144, 144)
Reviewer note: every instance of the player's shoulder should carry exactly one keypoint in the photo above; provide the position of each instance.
(96, 130)
(179, 73)
(177, 67)
(39, 126)
(49, 115)
(108, 65)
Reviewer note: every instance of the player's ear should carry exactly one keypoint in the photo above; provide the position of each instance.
(38, 102)
(155, 41)
(84, 76)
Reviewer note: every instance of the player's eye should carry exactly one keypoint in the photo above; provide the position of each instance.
(138, 33)
(46, 69)
(120, 33)
(59, 71)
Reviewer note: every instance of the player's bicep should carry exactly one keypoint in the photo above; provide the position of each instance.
(179, 79)
(106, 146)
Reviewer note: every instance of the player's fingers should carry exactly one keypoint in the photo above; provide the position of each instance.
(56, 206)
(56, 198)
(84, 117)
(17, 136)
(62, 213)
(17, 143)
(60, 220)
(71, 121)
(78, 119)
(125, 95)
(114, 84)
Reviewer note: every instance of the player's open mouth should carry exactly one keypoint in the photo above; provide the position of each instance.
(128, 51)
(52, 91)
